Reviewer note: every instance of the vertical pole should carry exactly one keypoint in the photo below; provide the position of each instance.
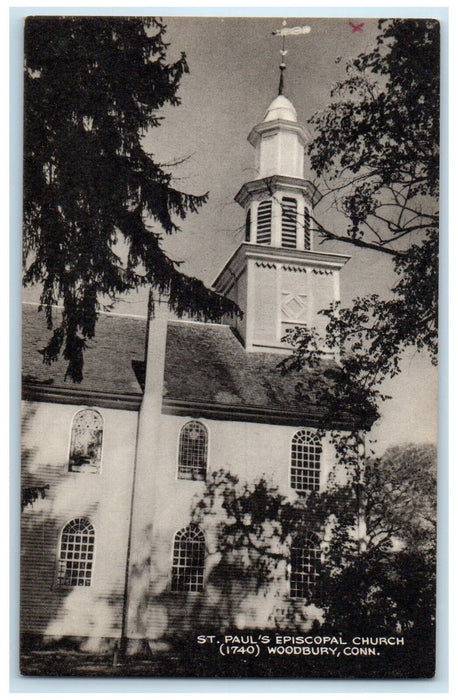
(282, 66)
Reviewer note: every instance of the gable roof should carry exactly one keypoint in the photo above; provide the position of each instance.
(208, 373)
(109, 376)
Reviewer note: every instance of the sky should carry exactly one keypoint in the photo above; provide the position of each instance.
(233, 78)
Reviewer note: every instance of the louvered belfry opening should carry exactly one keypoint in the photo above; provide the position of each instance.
(248, 225)
(307, 238)
(289, 223)
(264, 222)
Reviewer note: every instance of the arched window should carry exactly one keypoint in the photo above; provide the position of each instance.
(86, 442)
(305, 461)
(188, 560)
(76, 553)
(264, 222)
(306, 229)
(288, 223)
(248, 225)
(305, 566)
(192, 452)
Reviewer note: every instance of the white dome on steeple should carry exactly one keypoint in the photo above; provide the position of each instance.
(281, 108)
(279, 141)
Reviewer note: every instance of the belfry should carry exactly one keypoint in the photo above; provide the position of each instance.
(276, 276)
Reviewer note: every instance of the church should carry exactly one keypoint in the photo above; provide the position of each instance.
(111, 553)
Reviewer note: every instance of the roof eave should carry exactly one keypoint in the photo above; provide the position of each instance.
(35, 391)
(310, 417)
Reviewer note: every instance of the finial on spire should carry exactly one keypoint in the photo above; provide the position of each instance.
(284, 32)
(281, 83)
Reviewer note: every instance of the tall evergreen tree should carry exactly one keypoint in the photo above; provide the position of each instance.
(93, 88)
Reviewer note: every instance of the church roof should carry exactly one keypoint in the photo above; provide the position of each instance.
(109, 361)
(208, 373)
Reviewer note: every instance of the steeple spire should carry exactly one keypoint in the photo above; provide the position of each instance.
(281, 84)
(283, 53)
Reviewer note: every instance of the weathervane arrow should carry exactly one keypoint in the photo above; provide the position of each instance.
(287, 31)
(284, 32)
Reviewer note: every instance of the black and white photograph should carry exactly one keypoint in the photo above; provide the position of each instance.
(229, 347)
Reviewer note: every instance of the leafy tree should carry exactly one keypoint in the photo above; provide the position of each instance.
(386, 584)
(401, 497)
(390, 582)
(376, 152)
(93, 88)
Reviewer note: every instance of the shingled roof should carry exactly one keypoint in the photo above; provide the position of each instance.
(207, 373)
(109, 361)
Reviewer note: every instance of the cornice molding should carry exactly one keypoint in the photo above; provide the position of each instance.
(276, 125)
(277, 183)
(248, 414)
(282, 256)
(38, 392)
(216, 411)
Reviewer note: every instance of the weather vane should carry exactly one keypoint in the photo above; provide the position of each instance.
(284, 32)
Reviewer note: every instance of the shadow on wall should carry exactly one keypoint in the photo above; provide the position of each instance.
(28, 452)
(50, 610)
(42, 601)
(231, 600)
(77, 617)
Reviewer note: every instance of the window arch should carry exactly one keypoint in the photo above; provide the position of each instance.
(305, 461)
(76, 553)
(305, 566)
(289, 222)
(188, 560)
(193, 451)
(86, 442)
(264, 222)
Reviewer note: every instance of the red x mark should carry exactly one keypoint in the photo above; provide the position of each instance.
(356, 27)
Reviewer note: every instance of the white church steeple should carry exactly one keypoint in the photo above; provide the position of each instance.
(279, 141)
(279, 201)
(275, 276)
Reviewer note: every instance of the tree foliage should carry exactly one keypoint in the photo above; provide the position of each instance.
(376, 153)
(377, 143)
(401, 497)
(94, 86)
(381, 134)
(381, 580)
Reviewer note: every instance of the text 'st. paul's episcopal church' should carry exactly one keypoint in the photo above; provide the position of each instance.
(111, 552)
